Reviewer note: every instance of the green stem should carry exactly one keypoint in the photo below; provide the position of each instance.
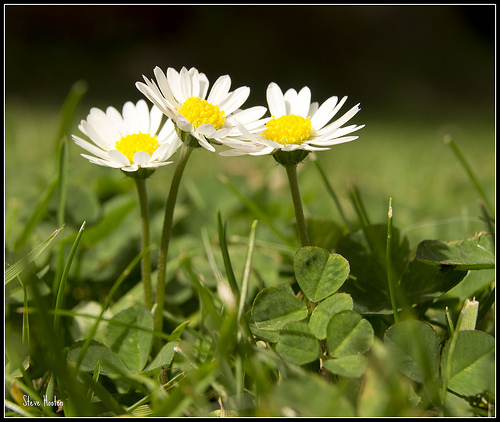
(291, 171)
(331, 192)
(165, 237)
(145, 262)
(467, 168)
(388, 257)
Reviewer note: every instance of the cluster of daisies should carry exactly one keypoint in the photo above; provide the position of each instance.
(136, 137)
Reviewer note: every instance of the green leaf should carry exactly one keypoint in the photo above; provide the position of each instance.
(352, 366)
(472, 366)
(131, 344)
(324, 233)
(97, 352)
(415, 348)
(319, 273)
(307, 395)
(297, 344)
(325, 310)
(348, 334)
(106, 225)
(422, 282)
(17, 268)
(472, 254)
(274, 308)
(365, 250)
(163, 358)
(38, 213)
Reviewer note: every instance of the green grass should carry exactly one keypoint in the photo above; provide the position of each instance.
(217, 368)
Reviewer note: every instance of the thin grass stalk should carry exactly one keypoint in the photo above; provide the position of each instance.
(225, 255)
(359, 207)
(246, 272)
(330, 190)
(291, 172)
(466, 166)
(388, 259)
(39, 212)
(64, 278)
(63, 158)
(259, 213)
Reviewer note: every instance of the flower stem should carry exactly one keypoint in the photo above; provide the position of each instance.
(145, 261)
(291, 172)
(165, 237)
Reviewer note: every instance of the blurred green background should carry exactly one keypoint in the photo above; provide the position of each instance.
(419, 72)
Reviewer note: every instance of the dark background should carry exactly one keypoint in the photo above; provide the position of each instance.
(397, 61)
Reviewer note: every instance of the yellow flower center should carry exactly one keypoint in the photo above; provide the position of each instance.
(288, 129)
(200, 112)
(131, 144)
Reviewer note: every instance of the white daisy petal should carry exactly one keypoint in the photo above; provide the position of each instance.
(117, 119)
(206, 129)
(143, 116)
(195, 82)
(89, 147)
(102, 162)
(324, 113)
(167, 132)
(174, 82)
(334, 141)
(163, 86)
(99, 123)
(155, 120)
(185, 83)
(130, 168)
(303, 103)
(275, 100)
(118, 157)
(234, 100)
(130, 118)
(290, 98)
(205, 144)
(249, 115)
(204, 84)
(346, 117)
(158, 152)
(219, 90)
(141, 158)
(184, 124)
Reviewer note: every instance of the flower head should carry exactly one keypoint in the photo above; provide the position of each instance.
(130, 140)
(296, 124)
(182, 96)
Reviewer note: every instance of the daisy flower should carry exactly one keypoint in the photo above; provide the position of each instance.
(296, 124)
(129, 141)
(182, 96)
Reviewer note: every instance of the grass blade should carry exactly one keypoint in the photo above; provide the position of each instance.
(246, 273)
(388, 257)
(330, 190)
(225, 255)
(64, 278)
(358, 206)
(70, 105)
(39, 212)
(260, 214)
(16, 269)
(465, 165)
